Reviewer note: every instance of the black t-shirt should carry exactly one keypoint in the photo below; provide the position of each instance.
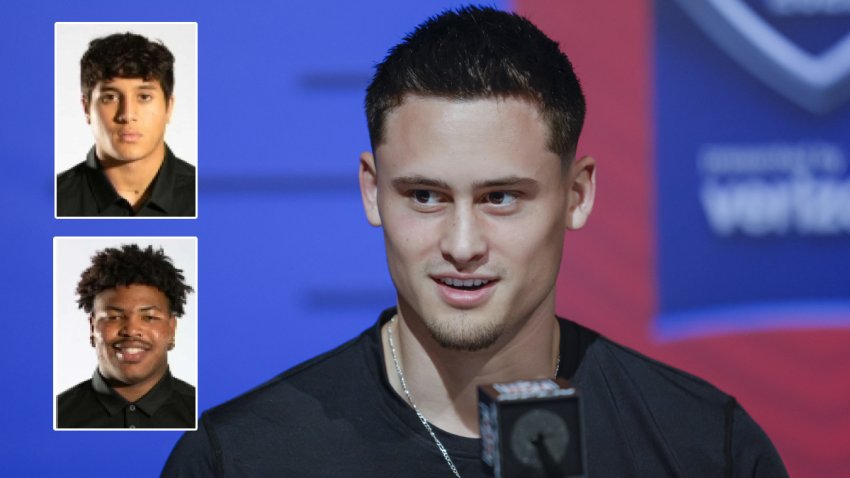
(337, 415)
(94, 404)
(85, 191)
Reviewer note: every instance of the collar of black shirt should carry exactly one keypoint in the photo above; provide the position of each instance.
(148, 404)
(162, 194)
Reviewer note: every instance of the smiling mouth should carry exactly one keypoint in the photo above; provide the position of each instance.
(465, 293)
(130, 352)
(465, 284)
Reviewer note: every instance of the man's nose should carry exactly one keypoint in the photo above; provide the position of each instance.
(463, 242)
(131, 325)
(126, 111)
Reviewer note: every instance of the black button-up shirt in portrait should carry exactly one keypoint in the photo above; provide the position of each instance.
(94, 404)
(84, 190)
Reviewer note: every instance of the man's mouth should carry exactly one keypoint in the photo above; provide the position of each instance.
(130, 352)
(129, 136)
(464, 284)
(466, 292)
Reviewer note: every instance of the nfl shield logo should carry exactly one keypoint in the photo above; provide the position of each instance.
(817, 81)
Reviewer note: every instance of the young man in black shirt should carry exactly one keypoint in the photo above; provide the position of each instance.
(133, 297)
(127, 84)
(474, 120)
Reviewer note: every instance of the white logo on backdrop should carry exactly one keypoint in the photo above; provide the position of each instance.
(775, 189)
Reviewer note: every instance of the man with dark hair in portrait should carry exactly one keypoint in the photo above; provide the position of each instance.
(133, 297)
(127, 84)
(474, 119)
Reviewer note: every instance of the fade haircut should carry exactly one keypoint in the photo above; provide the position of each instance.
(126, 55)
(479, 52)
(132, 265)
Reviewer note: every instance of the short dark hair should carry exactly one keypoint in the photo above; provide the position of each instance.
(480, 52)
(129, 265)
(126, 55)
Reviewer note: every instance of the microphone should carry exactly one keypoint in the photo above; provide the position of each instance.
(531, 429)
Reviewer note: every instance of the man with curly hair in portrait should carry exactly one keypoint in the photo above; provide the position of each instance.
(133, 297)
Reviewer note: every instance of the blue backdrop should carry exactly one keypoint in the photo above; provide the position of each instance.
(288, 266)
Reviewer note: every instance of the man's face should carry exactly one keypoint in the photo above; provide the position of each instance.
(474, 207)
(128, 118)
(131, 329)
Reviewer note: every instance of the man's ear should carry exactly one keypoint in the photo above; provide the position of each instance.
(172, 323)
(582, 184)
(91, 329)
(169, 109)
(369, 188)
(86, 106)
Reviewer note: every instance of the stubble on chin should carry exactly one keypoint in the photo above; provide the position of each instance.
(463, 333)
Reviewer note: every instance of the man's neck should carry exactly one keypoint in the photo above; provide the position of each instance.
(444, 383)
(132, 179)
(133, 392)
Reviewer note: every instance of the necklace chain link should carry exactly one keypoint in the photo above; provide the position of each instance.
(409, 396)
(413, 404)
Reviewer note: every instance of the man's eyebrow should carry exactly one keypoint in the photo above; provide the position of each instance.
(148, 308)
(143, 86)
(416, 180)
(507, 181)
(141, 309)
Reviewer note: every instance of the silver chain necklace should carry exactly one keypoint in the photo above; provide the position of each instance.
(413, 404)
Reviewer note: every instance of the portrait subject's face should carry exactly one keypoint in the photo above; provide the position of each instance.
(474, 208)
(131, 329)
(128, 118)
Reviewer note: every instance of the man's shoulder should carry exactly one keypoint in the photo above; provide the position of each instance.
(667, 412)
(77, 391)
(657, 376)
(183, 181)
(70, 402)
(627, 386)
(182, 388)
(182, 171)
(287, 423)
(71, 187)
(318, 382)
(66, 177)
(657, 388)
(183, 168)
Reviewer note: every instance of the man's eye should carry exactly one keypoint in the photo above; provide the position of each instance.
(145, 98)
(501, 198)
(149, 318)
(113, 317)
(108, 98)
(423, 196)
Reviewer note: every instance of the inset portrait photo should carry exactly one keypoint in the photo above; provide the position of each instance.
(125, 329)
(126, 120)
